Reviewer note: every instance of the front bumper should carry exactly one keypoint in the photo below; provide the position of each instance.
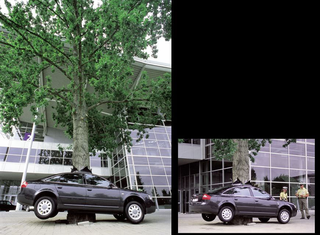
(150, 206)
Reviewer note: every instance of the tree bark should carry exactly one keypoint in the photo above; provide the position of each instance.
(80, 157)
(240, 169)
(240, 166)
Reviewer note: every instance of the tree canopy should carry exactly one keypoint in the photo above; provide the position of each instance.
(94, 49)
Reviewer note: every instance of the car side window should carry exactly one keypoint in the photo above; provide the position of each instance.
(96, 180)
(71, 178)
(259, 193)
(228, 192)
(241, 192)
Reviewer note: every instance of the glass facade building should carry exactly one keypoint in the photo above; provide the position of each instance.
(147, 166)
(274, 167)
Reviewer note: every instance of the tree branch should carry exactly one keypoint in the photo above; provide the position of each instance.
(116, 102)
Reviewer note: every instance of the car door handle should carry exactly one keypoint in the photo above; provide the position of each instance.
(89, 189)
(60, 187)
(257, 200)
(236, 199)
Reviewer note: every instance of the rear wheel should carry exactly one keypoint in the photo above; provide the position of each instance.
(134, 212)
(208, 217)
(45, 207)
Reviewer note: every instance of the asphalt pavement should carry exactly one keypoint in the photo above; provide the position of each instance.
(193, 223)
(158, 223)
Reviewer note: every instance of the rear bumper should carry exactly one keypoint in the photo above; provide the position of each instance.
(23, 200)
(206, 207)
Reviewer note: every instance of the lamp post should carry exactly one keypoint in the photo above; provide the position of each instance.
(24, 174)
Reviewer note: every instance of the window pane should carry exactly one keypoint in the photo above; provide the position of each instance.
(165, 152)
(310, 150)
(276, 146)
(278, 160)
(164, 144)
(216, 177)
(280, 175)
(144, 180)
(228, 175)
(140, 160)
(160, 180)
(142, 170)
(161, 191)
(262, 159)
(153, 152)
(157, 170)
(168, 170)
(161, 136)
(166, 161)
(259, 193)
(277, 188)
(258, 173)
(13, 158)
(151, 143)
(3, 149)
(56, 161)
(298, 176)
(138, 151)
(57, 154)
(297, 162)
(15, 151)
(241, 192)
(296, 149)
(155, 161)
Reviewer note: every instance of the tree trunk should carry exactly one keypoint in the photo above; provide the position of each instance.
(80, 157)
(240, 166)
(240, 169)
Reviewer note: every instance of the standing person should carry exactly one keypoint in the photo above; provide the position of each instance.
(302, 195)
(283, 194)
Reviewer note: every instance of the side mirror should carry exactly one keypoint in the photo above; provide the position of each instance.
(111, 185)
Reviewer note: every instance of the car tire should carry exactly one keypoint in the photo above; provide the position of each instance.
(208, 217)
(134, 212)
(264, 220)
(284, 216)
(226, 214)
(120, 217)
(45, 207)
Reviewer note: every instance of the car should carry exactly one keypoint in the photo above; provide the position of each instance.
(82, 191)
(6, 206)
(240, 199)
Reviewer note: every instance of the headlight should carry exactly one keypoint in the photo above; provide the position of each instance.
(150, 197)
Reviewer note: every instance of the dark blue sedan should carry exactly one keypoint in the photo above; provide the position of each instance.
(243, 200)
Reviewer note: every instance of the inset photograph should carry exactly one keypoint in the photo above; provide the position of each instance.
(246, 185)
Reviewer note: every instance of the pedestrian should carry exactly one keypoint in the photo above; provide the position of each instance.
(302, 195)
(283, 194)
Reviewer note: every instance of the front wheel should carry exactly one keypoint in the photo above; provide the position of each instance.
(226, 214)
(134, 212)
(208, 217)
(45, 207)
(283, 216)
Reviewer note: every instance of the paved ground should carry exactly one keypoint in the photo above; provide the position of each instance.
(158, 223)
(193, 223)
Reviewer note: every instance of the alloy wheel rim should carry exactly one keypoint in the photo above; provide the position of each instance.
(284, 216)
(226, 214)
(44, 207)
(134, 211)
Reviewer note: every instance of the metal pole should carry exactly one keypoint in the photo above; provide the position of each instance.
(24, 174)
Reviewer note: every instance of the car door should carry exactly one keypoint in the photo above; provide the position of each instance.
(71, 189)
(265, 205)
(243, 200)
(101, 195)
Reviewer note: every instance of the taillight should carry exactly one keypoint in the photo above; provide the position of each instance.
(206, 197)
(24, 184)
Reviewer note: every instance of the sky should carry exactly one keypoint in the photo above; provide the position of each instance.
(164, 47)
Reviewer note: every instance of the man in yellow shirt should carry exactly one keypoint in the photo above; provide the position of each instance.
(302, 195)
